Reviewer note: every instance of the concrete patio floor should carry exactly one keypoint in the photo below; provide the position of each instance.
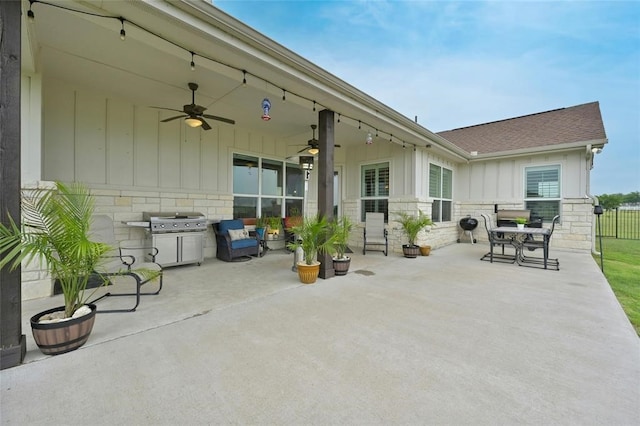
(444, 339)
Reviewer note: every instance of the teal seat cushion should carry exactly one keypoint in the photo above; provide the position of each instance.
(240, 244)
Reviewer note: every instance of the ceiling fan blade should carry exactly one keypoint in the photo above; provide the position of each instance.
(173, 118)
(224, 120)
(168, 109)
(303, 149)
(205, 125)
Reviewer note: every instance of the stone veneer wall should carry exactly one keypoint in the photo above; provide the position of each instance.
(574, 232)
(126, 206)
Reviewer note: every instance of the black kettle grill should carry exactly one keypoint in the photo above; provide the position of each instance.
(467, 225)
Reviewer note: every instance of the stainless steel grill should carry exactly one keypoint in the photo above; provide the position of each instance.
(178, 236)
(162, 222)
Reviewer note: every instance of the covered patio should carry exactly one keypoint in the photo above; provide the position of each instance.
(444, 339)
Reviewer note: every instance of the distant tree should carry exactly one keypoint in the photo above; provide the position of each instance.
(610, 201)
(631, 198)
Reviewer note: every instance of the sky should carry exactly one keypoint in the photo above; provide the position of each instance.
(456, 64)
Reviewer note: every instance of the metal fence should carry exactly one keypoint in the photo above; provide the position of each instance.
(623, 224)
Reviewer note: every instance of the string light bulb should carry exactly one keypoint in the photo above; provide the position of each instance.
(193, 64)
(123, 34)
(314, 106)
(31, 17)
(284, 95)
(244, 78)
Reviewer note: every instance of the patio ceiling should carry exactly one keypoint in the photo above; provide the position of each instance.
(148, 70)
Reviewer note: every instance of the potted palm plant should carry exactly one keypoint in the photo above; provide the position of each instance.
(341, 229)
(411, 226)
(55, 229)
(313, 236)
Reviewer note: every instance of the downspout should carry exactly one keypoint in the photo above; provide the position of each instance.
(594, 199)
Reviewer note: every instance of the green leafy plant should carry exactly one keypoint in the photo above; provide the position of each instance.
(341, 228)
(412, 224)
(262, 222)
(314, 236)
(274, 223)
(55, 229)
(521, 220)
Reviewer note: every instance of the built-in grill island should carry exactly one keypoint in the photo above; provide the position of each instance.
(178, 236)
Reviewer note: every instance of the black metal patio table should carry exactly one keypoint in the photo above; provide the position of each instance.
(519, 237)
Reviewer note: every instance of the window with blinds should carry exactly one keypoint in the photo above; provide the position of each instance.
(375, 189)
(441, 190)
(542, 192)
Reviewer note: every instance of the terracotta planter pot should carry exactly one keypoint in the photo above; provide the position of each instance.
(341, 266)
(425, 250)
(308, 273)
(65, 336)
(410, 251)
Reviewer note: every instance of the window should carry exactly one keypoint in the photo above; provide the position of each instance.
(542, 191)
(258, 187)
(375, 189)
(441, 190)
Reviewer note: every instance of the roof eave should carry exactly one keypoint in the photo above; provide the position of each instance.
(348, 93)
(546, 149)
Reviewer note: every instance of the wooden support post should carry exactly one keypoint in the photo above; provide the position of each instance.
(13, 344)
(326, 144)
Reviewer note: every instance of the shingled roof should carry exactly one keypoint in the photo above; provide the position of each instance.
(580, 123)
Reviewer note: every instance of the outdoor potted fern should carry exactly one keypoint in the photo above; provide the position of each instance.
(314, 236)
(411, 226)
(520, 222)
(55, 229)
(341, 228)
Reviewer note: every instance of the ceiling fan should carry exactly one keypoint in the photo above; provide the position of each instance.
(312, 146)
(194, 114)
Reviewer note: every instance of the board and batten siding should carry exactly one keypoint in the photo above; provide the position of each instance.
(106, 142)
(503, 180)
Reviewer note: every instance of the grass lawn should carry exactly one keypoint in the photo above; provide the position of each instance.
(622, 270)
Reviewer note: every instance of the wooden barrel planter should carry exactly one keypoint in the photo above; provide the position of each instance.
(341, 266)
(65, 336)
(410, 251)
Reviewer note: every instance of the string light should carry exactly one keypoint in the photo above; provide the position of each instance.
(123, 34)
(31, 18)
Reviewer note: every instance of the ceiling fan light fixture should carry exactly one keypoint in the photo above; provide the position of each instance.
(193, 121)
(313, 151)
